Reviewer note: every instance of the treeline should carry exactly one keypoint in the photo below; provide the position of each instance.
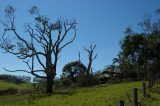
(15, 79)
(74, 74)
(139, 56)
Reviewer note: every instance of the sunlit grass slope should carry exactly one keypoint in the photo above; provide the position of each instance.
(102, 95)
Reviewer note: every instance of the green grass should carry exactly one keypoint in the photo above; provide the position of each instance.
(102, 95)
(106, 95)
(5, 85)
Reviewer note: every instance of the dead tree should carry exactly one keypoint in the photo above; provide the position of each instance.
(89, 67)
(43, 40)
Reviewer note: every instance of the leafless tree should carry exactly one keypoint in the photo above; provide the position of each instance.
(43, 42)
(91, 57)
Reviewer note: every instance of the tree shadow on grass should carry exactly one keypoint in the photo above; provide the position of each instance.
(63, 93)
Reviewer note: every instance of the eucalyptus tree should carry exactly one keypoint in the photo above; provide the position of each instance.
(42, 42)
(141, 51)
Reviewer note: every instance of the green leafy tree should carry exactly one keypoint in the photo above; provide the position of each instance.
(139, 56)
(75, 72)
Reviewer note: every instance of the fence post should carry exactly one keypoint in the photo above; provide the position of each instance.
(121, 103)
(144, 89)
(152, 83)
(149, 82)
(154, 80)
(135, 93)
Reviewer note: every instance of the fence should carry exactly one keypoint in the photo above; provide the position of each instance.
(135, 93)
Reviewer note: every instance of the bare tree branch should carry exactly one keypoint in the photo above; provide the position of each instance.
(16, 70)
(45, 45)
(30, 72)
(68, 42)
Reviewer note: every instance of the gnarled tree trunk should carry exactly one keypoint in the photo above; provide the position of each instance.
(49, 81)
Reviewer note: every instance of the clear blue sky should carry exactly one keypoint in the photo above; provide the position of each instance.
(99, 21)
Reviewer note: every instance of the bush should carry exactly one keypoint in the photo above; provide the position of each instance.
(66, 82)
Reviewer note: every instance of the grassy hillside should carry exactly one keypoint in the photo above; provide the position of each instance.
(103, 95)
(5, 85)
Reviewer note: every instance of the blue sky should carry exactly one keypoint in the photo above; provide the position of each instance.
(99, 21)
